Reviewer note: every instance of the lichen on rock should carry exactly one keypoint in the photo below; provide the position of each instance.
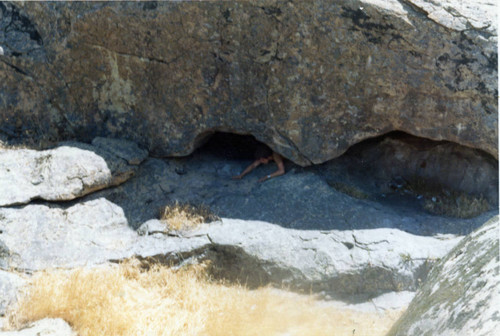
(460, 296)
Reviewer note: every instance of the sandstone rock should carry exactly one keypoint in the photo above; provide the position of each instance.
(66, 172)
(45, 327)
(10, 283)
(460, 296)
(308, 78)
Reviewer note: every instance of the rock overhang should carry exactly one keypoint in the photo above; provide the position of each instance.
(308, 79)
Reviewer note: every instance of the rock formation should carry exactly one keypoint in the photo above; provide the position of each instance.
(332, 244)
(310, 79)
(460, 296)
(10, 284)
(66, 172)
(348, 262)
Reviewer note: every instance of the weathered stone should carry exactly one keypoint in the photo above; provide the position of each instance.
(417, 162)
(45, 327)
(309, 78)
(10, 284)
(39, 237)
(365, 262)
(123, 149)
(66, 172)
(460, 296)
(339, 263)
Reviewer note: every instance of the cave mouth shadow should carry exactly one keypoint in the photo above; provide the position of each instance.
(369, 186)
(230, 146)
(354, 191)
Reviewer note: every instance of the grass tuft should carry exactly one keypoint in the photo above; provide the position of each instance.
(128, 299)
(179, 216)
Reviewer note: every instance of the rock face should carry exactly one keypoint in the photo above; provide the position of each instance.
(400, 158)
(461, 294)
(309, 78)
(38, 237)
(67, 172)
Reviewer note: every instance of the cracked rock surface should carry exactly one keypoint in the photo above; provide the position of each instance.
(339, 263)
(10, 284)
(295, 230)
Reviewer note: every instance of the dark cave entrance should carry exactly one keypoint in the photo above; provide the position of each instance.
(230, 146)
(443, 177)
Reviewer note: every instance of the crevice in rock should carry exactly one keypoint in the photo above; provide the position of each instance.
(16, 69)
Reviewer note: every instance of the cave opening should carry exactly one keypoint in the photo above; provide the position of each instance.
(230, 146)
(397, 169)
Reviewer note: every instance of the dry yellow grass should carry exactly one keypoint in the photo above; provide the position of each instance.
(185, 216)
(129, 300)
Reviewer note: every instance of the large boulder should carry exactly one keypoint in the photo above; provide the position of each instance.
(461, 294)
(309, 78)
(37, 237)
(66, 172)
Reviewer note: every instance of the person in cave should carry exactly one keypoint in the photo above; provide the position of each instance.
(264, 155)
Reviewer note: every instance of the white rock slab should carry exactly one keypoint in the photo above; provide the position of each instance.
(66, 172)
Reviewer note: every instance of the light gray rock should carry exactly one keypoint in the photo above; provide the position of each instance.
(37, 237)
(338, 263)
(461, 295)
(45, 327)
(458, 15)
(10, 283)
(66, 172)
